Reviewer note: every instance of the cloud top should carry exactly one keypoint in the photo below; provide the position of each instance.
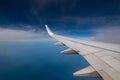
(111, 35)
(13, 34)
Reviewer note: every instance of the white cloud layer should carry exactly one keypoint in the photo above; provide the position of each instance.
(12, 34)
(111, 35)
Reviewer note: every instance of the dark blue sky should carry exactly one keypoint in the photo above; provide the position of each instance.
(71, 16)
(80, 14)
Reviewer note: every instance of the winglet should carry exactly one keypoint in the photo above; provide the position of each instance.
(48, 30)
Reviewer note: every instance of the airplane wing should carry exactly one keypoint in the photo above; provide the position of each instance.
(104, 58)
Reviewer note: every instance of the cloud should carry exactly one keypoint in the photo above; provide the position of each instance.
(7, 34)
(110, 34)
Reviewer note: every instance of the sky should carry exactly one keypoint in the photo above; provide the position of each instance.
(94, 19)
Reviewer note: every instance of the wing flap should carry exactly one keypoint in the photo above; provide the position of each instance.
(110, 58)
(114, 63)
(105, 75)
(108, 53)
(115, 75)
(96, 62)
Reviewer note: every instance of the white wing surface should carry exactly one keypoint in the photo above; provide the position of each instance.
(104, 58)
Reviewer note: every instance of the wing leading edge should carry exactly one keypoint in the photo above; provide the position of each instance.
(104, 58)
